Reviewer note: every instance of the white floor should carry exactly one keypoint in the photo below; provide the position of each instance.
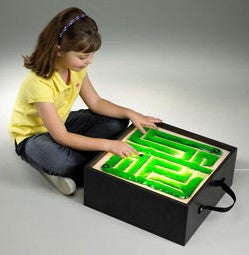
(36, 219)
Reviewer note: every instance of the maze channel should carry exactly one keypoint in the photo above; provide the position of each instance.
(168, 163)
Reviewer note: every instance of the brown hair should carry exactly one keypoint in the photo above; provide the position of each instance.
(82, 36)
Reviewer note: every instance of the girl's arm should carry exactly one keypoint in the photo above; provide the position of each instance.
(58, 131)
(107, 108)
(100, 105)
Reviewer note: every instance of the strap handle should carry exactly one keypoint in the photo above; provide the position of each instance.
(228, 190)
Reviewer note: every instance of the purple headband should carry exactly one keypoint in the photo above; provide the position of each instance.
(70, 23)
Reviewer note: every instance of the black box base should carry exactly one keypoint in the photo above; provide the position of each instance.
(151, 211)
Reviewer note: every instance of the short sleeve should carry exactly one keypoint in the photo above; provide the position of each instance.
(39, 92)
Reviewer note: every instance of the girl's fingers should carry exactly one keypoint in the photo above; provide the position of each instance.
(128, 153)
(141, 129)
(154, 118)
(136, 152)
(157, 120)
(152, 125)
(130, 147)
(133, 150)
(122, 155)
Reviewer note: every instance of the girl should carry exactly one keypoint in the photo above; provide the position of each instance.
(47, 135)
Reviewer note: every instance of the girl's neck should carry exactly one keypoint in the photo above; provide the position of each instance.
(63, 72)
(65, 76)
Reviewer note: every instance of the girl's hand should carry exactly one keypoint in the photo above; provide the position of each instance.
(139, 120)
(120, 148)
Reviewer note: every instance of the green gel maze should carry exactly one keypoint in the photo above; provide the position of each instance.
(168, 163)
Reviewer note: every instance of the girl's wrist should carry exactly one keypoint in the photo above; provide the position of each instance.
(129, 113)
(105, 145)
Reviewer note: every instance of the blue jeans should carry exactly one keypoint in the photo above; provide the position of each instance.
(43, 153)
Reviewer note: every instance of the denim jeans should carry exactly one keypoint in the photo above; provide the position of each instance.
(43, 153)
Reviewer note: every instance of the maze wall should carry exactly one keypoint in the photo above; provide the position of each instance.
(167, 162)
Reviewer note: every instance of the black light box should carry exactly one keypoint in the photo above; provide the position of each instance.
(169, 188)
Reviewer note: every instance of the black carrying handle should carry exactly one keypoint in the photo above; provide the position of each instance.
(228, 190)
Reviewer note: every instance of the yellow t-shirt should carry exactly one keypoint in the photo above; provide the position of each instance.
(25, 120)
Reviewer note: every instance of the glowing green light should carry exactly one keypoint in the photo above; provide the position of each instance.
(168, 163)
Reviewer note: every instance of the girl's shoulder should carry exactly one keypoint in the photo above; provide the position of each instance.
(34, 84)
(32, 79)
(32, 76)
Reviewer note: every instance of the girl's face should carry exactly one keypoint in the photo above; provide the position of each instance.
(75, 60)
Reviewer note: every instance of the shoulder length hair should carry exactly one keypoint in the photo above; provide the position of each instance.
(82, 36)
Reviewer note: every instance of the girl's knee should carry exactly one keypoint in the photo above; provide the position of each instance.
(117, 125)
(114, 127)
(43, 153)
(34, 144)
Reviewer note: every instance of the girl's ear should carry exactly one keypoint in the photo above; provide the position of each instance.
(58, 51)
